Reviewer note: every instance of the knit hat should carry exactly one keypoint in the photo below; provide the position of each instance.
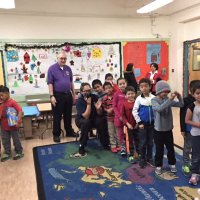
(162, 86)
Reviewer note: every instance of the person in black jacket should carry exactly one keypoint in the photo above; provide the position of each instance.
(185, 131)
(130, 76)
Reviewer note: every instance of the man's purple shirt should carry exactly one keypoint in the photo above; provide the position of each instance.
(60, 79)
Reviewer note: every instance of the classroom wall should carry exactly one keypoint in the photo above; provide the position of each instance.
(17, 28)
(84, 28)
(184, 26)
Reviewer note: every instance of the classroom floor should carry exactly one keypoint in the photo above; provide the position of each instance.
(18, 179)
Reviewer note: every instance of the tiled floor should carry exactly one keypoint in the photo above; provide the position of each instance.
(17, 178)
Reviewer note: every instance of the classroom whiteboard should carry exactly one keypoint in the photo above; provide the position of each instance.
(27, 65)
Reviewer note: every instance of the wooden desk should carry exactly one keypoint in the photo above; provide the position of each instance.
(29, 112)
(45, 109)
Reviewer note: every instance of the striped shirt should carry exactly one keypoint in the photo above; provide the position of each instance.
(107, 103)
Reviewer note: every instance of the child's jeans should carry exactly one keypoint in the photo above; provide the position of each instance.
(132, 141)
(6, 141)
(146, 142)
(114, 141)
(187, 149)
(120, 132)
(195, 155)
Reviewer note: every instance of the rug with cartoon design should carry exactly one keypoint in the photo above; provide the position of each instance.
(103, 175)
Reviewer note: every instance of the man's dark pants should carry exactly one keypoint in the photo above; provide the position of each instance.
(64, 103)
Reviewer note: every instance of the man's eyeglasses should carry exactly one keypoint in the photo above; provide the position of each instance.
(86, 90)
(63, 58)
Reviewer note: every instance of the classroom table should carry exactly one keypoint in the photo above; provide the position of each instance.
(33, 100)
(28, 113)
(46, 110)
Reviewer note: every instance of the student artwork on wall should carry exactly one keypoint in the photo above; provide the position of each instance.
(27, 65)
(143, 53)
(2, 74)
(153, 53)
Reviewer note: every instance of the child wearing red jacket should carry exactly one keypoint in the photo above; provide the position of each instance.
(131, 135)
(10, 115)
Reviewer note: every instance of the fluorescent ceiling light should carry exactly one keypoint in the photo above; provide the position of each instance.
(153, 6)
(7, 4)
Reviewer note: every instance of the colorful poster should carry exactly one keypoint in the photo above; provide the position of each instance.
(153, 53)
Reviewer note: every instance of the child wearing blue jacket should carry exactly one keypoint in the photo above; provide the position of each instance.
(143, 114)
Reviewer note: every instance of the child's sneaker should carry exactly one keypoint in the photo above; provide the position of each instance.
(142, 163)
(18, 156)
(123, 152)
(158, 170)
(114, 150)
(78, 155)
(81, 153)
(5, 157)
(131, 159)
(173, 168)
(186, 170)
(194, 179)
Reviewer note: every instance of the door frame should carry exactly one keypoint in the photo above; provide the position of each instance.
(186, 56)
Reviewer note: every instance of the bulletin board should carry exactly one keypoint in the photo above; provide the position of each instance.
(27, 64)
(2, 78)
(142, 54)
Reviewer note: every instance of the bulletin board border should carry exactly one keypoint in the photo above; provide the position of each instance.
(3, 67)
(44, 46)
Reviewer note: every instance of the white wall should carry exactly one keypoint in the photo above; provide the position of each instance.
(32, 27)
(18, 27)
(184, 26)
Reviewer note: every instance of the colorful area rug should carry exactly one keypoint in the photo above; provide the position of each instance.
(103, 175)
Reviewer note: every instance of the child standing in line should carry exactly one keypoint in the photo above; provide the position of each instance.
(185, 131)
(109, 78)
(107, 104)
(118, 100)
(163, 125)
(131, 133)
(98, 87)
(193, 118)
(143, 114)
(10, 130)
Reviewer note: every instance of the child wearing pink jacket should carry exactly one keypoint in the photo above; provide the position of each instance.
(118, 100)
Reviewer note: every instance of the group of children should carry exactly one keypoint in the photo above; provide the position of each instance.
(138, 122)
(135, 123)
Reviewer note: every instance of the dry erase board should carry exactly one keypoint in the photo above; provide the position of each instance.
(27, 64)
